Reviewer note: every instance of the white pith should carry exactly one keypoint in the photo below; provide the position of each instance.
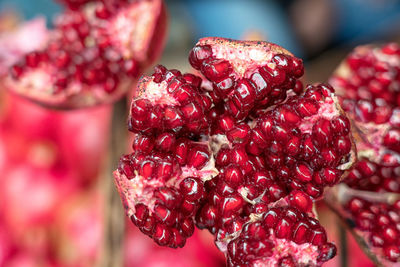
(327, 110)
(157, 94)
(244, 61)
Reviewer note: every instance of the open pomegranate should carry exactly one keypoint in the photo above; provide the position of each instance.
(94, 53)
(368, 83)
(249, 177)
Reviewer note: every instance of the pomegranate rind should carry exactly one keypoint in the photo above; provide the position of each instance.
(87, 96)
(133, 42)
(337, 197)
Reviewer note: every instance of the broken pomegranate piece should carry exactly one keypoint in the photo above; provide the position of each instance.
(276, 159)
(247, 74)
(368, 82)
(93, 55)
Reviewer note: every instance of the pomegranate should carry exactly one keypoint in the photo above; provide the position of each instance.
(368, 83)
(93, 54)
(194, 161)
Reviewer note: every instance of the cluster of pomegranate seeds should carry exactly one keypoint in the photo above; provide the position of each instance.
(277, 156)
(381, 221)
(254, 78)
(163, 175)
(288, 227)
(94, 52)
(170, 101)
(370, 176)
(368, 84)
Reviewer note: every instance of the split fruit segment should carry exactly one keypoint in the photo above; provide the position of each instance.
(247, 75)
(368, 85)
(278, 158)
(94, 54)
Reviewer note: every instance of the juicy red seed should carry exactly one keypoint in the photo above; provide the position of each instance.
(216, 70)
(276, 191)
(293, 146)
(140, 109)
(188, 207)
(307, 107)
(392, 253)
(277, 76)
(233, 175)
(322, 132)
(303, 173)
(255, 231)
(283, 228)
(392, 138)
(192, 188)
(198, 157)
(327, 252)
(297, 67)
(165, 142)
(232, 204)
(208, 216)
(168, 196)
(224, 87)
(187, 227)
(390, 234)
(300, 200)
(261, 85)
(298, 88)
(140, 215)
(318, 236)
(271, 218)
(239, 134)
(162, 234)
(326, 89)
(340, 125)
(147, 168)
(288, 116)
(377, 240)
(342, 145)
(177, 239)
(282, 61)
(164, 215)
(300, 233)
(192, 79)
(245, 94)
(330, 176)
(235, 225)
(198, 55)
(148, 225)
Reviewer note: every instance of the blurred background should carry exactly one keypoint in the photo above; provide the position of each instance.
(51, 162)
